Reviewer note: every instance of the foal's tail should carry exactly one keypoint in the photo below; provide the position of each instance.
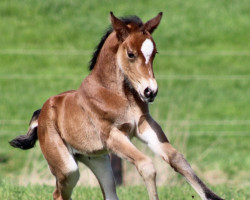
(28, 141)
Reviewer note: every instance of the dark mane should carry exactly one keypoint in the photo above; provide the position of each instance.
(127, 20)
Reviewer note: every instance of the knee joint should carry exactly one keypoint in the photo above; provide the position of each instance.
(147, 169)
(73, 177)
(177, 161)
(70, 179)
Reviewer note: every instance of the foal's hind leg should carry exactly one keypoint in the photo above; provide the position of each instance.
(62, 164)
(101, 167)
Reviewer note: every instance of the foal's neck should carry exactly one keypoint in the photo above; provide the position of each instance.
(106, 71)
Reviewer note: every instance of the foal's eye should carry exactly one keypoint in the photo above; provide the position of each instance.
(131, 55)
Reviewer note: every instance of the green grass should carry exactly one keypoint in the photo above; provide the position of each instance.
(36, 192)
(202, 71)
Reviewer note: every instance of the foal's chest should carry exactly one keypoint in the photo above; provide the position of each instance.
(128, 123)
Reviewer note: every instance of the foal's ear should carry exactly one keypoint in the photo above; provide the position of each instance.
(152, 24)
(119, 26)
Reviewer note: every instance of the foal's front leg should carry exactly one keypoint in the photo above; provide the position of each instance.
(151, 133)
(119, 144)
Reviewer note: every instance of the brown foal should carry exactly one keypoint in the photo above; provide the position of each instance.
(109, 108)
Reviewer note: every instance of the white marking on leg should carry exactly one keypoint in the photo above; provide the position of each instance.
(71, 164)
(34, 124)
(151, 139)
(147, 49)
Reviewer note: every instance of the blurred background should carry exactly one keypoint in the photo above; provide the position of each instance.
(202, 69)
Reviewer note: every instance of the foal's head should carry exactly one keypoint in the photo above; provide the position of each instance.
(136, 53)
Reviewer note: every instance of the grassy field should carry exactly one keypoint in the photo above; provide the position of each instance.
(13, 192)
(203, 73)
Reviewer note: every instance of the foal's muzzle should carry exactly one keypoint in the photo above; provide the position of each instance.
(147, 89)
(150, 94)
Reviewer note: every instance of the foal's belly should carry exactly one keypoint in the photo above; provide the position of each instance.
(82, 138)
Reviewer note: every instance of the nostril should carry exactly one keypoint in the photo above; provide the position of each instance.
(148, 92)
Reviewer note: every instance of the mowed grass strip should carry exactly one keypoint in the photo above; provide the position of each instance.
(181, 192)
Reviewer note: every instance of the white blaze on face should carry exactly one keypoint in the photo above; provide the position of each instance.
(147, 49)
